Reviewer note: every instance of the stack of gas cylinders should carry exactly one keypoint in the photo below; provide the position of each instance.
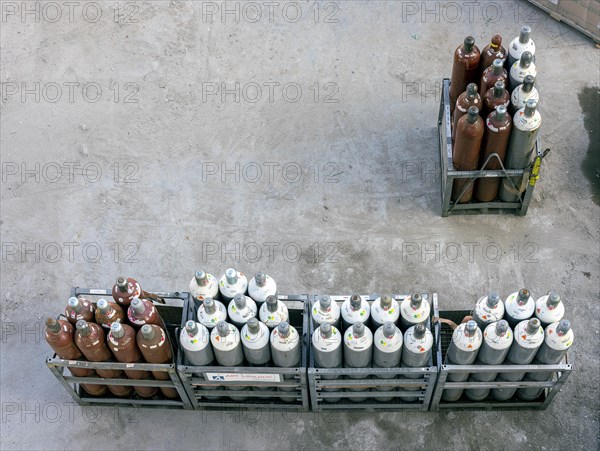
(493, 101)
(355, 333)
(240, 323)
(127, 329)
(516, 331)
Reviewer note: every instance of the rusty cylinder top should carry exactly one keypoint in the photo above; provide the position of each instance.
(117, 330)
(325, 330)
(271, 303)
(83, 327)
(528, 83)
(496, 41)
(524, 36)
(261, 279)
(231, 276)
(201, 278)
(52, 325)
(209, 305)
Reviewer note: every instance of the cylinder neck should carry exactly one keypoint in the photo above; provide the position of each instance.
(75, 305)
(496, 41)
(325, 330)
(283, 329)
(524, 36)
(497, 67)
(325, 303)
(355, 302)
(358, 329)
(389, 330)
(138, 306)
(231, 276)
(419, 331)
(493, 298)
(191, 328)
(553, 300)
(499, 89)
(528, 83)
(469, 43)
(117, 330)
(564, 326)
(83, 328)
(147, 331)
(240, 301)
(253, 325)
(201, 278)
(533, 325)
(471, 90)
(209, 305)
(52, 326)
(416, 299)
(223, 328)
(530, 108)
(523, 296)
(386, 302)
(260, 279)
(470, 328)
(472, 114)
(122, 284)
(525, 60)
(104, 306)
(501, 328)
(271, 303)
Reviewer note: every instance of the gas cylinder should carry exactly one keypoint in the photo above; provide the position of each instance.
(523, 93)
(285, 349)
(519, 45)
(498, 126)
(465, 154)
(488, 309)
(384, 309)
(465, 68)
(497, 338)
(519, 70)
(355, 309)
(232, 283)
(416, 353)
(195, 341)
(518, 306)
(494, 97)
(387, 351)
(493, 74)
(89, 338)
(463, 349)
(273, 311)
(413, 310)
(108, 312)
(241, 310)
(528, 337)
(121, 341)
(142, 311)
(549, 309)
(526, 125)
(358, 351)
(327, 349)
(204, 285)
(324, 310)
(255, 342)
(125, 290)
(260, 287)
(225, 340)
(59, 335)
(558, 339)
(465, 101)
(79, 308)
(156, 348)
(211, 312)
(491, 52)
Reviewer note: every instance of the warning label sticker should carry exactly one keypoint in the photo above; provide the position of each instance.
(243, 377)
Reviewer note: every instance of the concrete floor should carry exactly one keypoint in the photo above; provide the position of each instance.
(363, 215)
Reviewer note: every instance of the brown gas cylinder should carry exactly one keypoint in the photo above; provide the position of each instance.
(494, 97)
(492, 74)
(491, 52)
(108, 312)
(89, 338)
(465, 69)
(465, 154)
(498, 126)
(121, 341)
(142, 312)
(125, 290)
(79, 308)
(59, 335)
(156, 348)
(465, 101)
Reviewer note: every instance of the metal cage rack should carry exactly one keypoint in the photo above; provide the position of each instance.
(323, 388)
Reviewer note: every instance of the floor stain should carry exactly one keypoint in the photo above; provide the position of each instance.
(589, 99)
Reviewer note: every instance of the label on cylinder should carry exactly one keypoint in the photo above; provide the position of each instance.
(243, 377)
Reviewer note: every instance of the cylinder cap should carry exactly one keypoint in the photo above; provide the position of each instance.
(472, 114)
(147, 332)
(526, 59)
(261, 279)
(223, 328)
(533, 326)
(419, 331)
(271, 303)
(471, 90)
(83, 327)
(469, 43)
(137, 305)
(283, 328)
(355, 302)
(528, 83)
(240, 300)
(500, 112)
(386, 302)
(75, 304)
(117, 330)
(416, 299)
(496, 40)
(52, 325)
(191, 327)
(209, 305)
(389, 329)
(231, 276)
(470, 328)
(498, 88)
(498, 65)
(325, 330)
(530, 107)
(523, 296)
(253, 325)
(501, 327)
(122, 283)
(358, 329)
(201, 278)
(493, 298)
(553, 299)
(102, 305)
(325, 302)
(524, 36)
(564, 326)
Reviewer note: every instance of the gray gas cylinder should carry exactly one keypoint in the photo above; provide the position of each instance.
(521, 69)
(358, 351)
(558, 340)
(387, 352)
(327, 351)
(355, 309)
(519, 306)
(413, 310)
(528, 337)
(195, 341)
(488, 309)
(286, 350)
(324, 310)
(273, 312)
(384, 309)
(549, 309)
(204, 285)
(211, 312)
(225, 340)
(519, 45)
(416, 353)
(463, 350)
(232, 283)
(241, 309)
(255, 342)
(497, 338)
(520, 152)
